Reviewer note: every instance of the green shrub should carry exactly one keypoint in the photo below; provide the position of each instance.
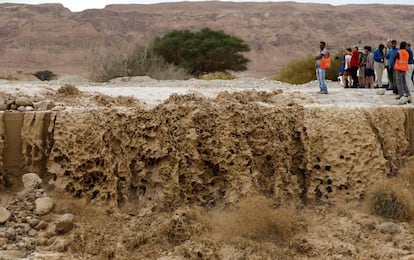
(303, 70)
(45, 75)
(204, 51)
(390, 200)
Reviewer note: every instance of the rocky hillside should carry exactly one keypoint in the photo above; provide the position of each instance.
(35, 37)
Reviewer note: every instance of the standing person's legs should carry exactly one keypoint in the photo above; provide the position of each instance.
(404, 87)
(321, 78)
(390, 78)
(361, 77)
(394, 78)
(354, 71)
(318, 78)
(403, 91)
(399, 77)
(369, 78)
(397, 82)
(379, 69)
(408, 75)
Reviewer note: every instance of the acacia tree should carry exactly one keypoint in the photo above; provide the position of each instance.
(203, 51)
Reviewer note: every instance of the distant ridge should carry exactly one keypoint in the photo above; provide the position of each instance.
(50, 36)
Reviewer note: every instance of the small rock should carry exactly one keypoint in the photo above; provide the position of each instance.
(3, 106)
(44, 205)
(380, 91)
(34, 222)
(31, 181)
(21, 109)
(64, 224)
(29, 108)
(4, 215)
(42, 225)
(30, 243)
(10, 234)
(21, 245)
(13, 107)
(42, 241)
(23, 101)
(32, 233)
(23, 229)
(9, 102)
(389, 228)
(50, 241)
(44, 105)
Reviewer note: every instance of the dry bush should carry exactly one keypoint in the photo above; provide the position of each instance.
(406, 172)
(390, 199)
(122, 61)
(68, 90)
(161, 70)
(8, 77)
(255, 219)
(302, 71)
(217, 75)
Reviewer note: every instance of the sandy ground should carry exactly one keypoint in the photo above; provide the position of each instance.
(152, 92)
(240, 169)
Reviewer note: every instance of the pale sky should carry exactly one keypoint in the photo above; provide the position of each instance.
(79, 5)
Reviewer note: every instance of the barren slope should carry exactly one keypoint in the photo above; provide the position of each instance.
(51, 37)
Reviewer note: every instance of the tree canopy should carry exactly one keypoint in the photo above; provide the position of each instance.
(204, 51)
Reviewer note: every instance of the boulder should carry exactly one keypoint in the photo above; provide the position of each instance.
(44, 105)
(23, 101)
(4, 215)
(43, 205)
(3, 105)
(389, 228)
(64, 224)
(31, 181)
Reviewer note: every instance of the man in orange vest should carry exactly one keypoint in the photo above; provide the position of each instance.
(401, 68)
(323, 62)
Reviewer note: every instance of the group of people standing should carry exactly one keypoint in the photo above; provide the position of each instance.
(400, 67)
(363, 68)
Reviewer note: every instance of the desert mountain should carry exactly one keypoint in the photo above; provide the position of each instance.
(50, 36)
